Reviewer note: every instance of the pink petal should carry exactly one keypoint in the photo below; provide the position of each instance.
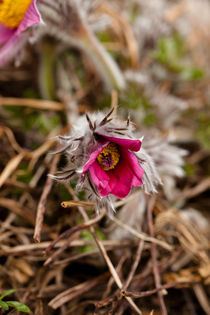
(11, 38)
(133, 145)
(126, 175)
(116, 187)
(135, 165)
(12, 46)
(31, 17)
(93, 156)
(5, 33)
(99, 176)
(119, 181)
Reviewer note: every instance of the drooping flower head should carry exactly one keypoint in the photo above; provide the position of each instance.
(15, 17)
(112, 166)
(103, 152)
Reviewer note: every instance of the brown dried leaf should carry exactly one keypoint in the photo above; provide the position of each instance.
(184, 275)
(75, 291)
(34, 103)
(204, 272)
(21, 270)
(10, 167)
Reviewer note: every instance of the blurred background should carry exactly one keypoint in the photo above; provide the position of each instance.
(151, 60)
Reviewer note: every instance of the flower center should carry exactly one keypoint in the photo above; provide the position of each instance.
(12, 12)
(109, 157)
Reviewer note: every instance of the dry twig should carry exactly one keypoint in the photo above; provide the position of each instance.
(154, 258)
(43, 199)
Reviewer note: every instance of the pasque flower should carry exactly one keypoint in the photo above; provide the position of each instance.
(113, 167)
(15, 17)
(105, 155)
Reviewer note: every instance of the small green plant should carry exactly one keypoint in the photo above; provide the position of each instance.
(86, 235)
(203, 129)
(170, 52)
(17, 305)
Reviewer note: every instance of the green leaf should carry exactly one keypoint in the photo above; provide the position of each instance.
(8, 292)
(149, 119)
(203, 129)
(63, 192)
(169, 52)
(45, 124)
(25, 177)
(100, 235)
(46, 69)
(30, 93)
(89, 237)
(104, 37)
(132, 98)
(189, 169)
(4, 305)
(19, 306)
(192, 73)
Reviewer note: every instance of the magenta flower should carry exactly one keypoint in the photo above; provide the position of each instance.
(15, 17)
(106, 158)
(113, 168)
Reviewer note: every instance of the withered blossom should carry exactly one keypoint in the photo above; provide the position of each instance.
(107, 158)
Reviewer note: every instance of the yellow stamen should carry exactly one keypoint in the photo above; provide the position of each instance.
(109, 157)
(12, 12)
